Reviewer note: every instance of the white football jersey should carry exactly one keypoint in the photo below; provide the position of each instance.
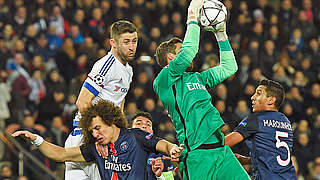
(109, 79)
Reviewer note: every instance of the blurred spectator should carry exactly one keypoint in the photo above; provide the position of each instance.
(40, 22)
(315, 135)
(54, 40)
(76, 83)
(79, 20)
(244, 69)
(51, 106)
(286, 16)
(37, 64)
(20, 20)
(97, 26)
(22, 178)
(4, 100)
(90, 49)
(131, 110)
(38, 89)
(20, 90)
(75, 34)
(281, 76)
(8, 36)
(69, 110)
(313, 99)
(43, 48)
(303, 152)
(66, 60)
(228, 117)
(59, 131)
(242, 109)
(56, 19)
(54, 82)
(306, 24)
(6, 172)
(268, 57)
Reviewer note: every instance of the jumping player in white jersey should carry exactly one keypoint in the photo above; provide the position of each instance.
(110, 80)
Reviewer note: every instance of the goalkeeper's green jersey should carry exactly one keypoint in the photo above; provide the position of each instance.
(185, 95)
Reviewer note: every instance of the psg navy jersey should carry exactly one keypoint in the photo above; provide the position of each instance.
(167, 165)
(269, 137)
(127, 156)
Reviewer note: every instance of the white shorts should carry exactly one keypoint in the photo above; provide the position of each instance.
(77, 170)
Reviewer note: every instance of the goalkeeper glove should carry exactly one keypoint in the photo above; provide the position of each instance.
(193, 10)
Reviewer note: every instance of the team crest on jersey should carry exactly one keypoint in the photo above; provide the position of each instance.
(244, 124)
(98, 79)
(149, 161)
(149, 136)
(124, 146)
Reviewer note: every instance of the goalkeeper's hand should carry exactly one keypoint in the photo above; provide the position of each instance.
(221, 33)
(193, 10)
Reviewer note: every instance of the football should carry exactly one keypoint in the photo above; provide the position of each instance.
(213, 15)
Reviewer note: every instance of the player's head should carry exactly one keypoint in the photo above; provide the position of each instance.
(167, 51)
(269, 95)
(124, 40)
(143, 121)
(99, 121)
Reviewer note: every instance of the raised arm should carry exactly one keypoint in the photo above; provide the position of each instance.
(52, 151)
(228, 65)
(171, 149)
(190, 45)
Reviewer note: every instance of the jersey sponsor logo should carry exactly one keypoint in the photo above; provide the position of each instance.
(244, 124)
(149, 136)
(118, 88)
(193, 86)
(277, 124)
(124, 146)
(117, 166)
(98, 79)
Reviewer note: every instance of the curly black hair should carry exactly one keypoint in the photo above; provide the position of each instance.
(107, 111)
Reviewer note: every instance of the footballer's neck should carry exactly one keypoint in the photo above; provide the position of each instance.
(115, 133)
(115, 53)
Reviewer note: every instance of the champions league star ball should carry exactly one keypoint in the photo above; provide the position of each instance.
(213, 15)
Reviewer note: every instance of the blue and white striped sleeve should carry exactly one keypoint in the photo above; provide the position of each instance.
(97, 77)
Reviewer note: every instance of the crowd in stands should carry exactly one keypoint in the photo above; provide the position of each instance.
(47, 48)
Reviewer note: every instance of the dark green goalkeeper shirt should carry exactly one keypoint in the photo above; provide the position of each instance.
(185, 95)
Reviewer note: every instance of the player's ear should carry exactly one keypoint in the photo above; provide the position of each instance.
(272, 100)
(112, 43)
(170, 57)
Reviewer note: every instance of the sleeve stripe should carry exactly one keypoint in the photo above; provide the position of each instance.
(105, 63)
(105, 70)
(108, 68)
(91, 88)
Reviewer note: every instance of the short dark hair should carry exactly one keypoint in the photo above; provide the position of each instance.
(164, 48)
(143, 114)
(274, 89)
(121, 27)
(107, 111)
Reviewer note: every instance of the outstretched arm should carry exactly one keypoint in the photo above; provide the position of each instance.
(166, 147)
(52, 151)
(233, 139)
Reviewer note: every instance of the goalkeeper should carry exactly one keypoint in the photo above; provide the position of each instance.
(185, 96)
